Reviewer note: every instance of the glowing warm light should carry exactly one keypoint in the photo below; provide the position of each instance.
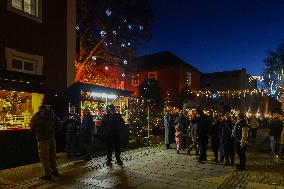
(103, 95)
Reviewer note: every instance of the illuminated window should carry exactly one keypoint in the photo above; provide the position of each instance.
(152, 75)
(27, 6)
(188, 78)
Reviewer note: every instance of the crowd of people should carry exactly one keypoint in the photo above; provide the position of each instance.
(228, 134)
(79, 136)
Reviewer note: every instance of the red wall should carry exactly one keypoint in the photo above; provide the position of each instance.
(171, 78)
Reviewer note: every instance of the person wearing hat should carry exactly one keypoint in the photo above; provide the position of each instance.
(240, 133)
(275, 127)
(111, 128)
(43, 125)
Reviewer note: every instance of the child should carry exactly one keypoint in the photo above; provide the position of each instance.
(178, 137)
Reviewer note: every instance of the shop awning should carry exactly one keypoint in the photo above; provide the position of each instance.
(86, 87)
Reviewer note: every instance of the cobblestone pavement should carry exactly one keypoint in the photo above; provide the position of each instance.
(153, 168)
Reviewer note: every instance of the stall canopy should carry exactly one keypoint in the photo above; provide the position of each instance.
(75, 93)
(17, 81)
(78, 86)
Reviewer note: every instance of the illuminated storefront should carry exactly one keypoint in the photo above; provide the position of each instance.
(96, 98)
(20, 97)
(17, 108)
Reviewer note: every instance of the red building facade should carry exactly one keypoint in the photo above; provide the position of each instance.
(172, 73)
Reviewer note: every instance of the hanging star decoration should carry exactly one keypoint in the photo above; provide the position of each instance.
(108, 12)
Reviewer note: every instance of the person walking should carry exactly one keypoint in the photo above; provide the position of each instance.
(202, 127)
(254, 125)
(275, 127)
(111, 127)
(71, 126)
(43, 125)
(86, 134)
(240, 133)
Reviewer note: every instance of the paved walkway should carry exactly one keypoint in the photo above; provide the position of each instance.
(154, 168)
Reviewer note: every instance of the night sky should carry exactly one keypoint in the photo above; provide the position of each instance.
(217, 35)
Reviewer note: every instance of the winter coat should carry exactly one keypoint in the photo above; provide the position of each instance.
(240, 132)
(71, 125)
(86, 130)
(183, 122)
(112, 125)
(167, 128)
(203, 123)
(227, 141)
(214, 133)
(275, 127)
(254, 124)
(43, 124)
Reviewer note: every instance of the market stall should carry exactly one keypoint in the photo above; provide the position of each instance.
(20, 97)
(96, 98)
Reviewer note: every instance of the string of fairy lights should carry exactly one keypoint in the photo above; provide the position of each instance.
(230, 93)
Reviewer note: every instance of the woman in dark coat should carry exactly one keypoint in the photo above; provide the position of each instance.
(86, 134)
(228, 141)
(214, 133)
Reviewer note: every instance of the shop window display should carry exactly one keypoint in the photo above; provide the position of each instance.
(17, 109)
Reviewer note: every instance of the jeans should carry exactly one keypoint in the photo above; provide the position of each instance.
(47, 155)
(241, 151)
(273, 142)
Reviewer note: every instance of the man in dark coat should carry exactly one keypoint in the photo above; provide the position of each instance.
(240, 133)
(275, 128)
(43, 125)
(86, 134)
(214, 133)
(111, 127)
(202, 128)
(228, 142)
(71, 125)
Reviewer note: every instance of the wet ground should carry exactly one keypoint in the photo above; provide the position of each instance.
(156, 168)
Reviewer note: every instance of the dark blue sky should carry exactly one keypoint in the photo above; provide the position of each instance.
(217, 35)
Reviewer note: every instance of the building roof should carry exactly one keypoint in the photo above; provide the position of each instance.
(224, 73)
(158, 60)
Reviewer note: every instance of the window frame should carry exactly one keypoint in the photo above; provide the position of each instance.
(23, 61)
(36, 60)
(37, 17)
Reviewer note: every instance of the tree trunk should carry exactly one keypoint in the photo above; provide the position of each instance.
(79, 74)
